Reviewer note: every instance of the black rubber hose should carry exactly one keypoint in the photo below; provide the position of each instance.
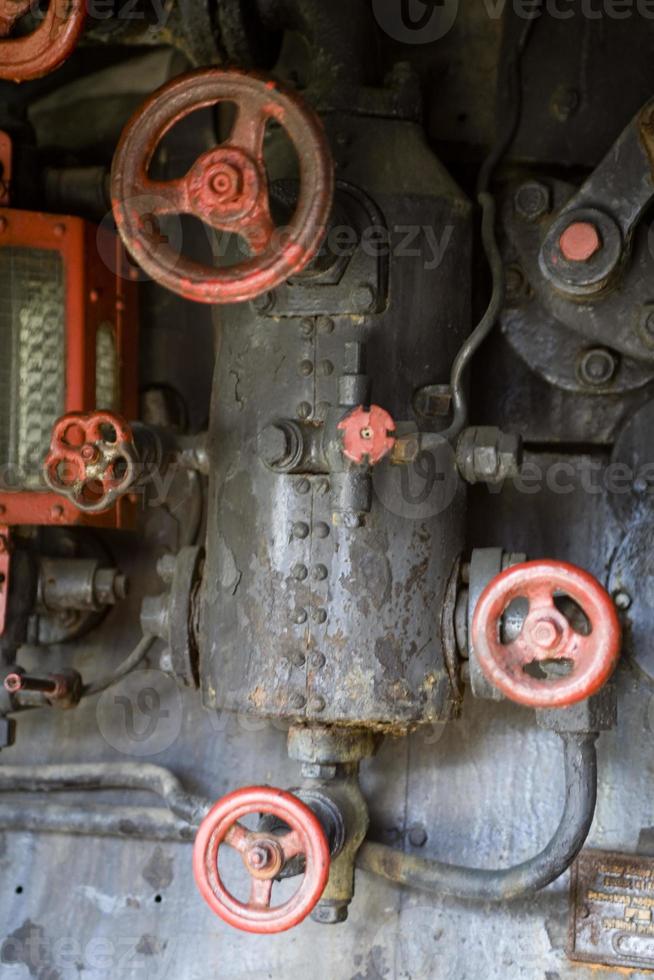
(501, 885)
(106, 775)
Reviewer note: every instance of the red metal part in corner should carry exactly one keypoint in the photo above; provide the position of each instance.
(5, 566)
(367, 434)
(45, 49)
(547, 635)
(100, 289)
(264, 855)
(227, 187)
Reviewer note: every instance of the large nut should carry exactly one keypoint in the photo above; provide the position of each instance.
(487, 455)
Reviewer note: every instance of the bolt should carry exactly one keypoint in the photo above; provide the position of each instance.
(532, 200)
(89, 453)
(300, 530)
(302, 486)
(580, 241)
(57, 511)
(320, 573)
(300, 572)
(433, 401)
(306, 327)
(597, 367)
(318, 661)
(305, 368)
(264, 303)
(59, 230)
(316, 705)
(622, 599)
(322, 487)
(326, 368)
(515, 282)
(319, 615)
(364, 298)
(304, 410)
(325, 324)
(330, 914)
(546, 634)
(565, 103)
(300, 616)
(258, 857)
(321, 530)
(417, 836)
(297, 701)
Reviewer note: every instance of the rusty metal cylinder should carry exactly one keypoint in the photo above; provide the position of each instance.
(322, 603)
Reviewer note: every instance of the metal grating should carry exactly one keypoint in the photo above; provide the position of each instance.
(33, 368)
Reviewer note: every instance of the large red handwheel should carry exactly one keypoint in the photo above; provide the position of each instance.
(46, 48)
(92, 460)
(227, 187)
(264, 856)
(546, 635)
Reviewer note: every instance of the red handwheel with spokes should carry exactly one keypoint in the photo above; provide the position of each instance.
(46, 48)
(227, 187)
(264, 856)
(547, 636)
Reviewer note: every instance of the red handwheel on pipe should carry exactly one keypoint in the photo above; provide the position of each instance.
(264, 856)
(550, 663)
(46, 48)
(226, 188)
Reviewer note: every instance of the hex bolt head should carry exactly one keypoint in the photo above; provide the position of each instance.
(364, 298)
(329, 914)
(597, 367)
(532, 200)
(417, 836)
(580, 241)
(622, 600)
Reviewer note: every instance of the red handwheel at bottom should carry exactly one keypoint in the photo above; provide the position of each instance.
(264, 855)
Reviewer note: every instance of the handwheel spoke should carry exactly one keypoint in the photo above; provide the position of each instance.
(258, 230)
(260, 893)
(541, 597)
(10, 12)
(237, 837)
(164, 196)
(248, 132)
(292, 845)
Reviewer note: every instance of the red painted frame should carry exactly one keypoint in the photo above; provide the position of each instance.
(95, 294)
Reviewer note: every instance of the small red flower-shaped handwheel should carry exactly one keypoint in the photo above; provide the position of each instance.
(226, 188)
(518, 668)
(264, 856)
(37, 54)
(92, 460)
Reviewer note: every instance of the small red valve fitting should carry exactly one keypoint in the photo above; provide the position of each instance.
(92, 460)
(547, 635)
(45, 49)
(367, 434)
(264, 856)
(227, 187)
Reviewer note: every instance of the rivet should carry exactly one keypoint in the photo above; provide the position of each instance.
(319, 615)
(321, 529)
(326, 368)
(300, 616)
(300, 572)
(298, 659)
(322, 487)
(325, 324)
(264, 303)
(317, 704)
(59, 230)
(300, 530)
(320, 573)
(297, 701)
(305, 368)
(322, 409)
(364, 297)
(318, 660)
(57, 511)
(94, 295)
(304, 410)
(302, 486)
(622, 599)
(306, 327)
